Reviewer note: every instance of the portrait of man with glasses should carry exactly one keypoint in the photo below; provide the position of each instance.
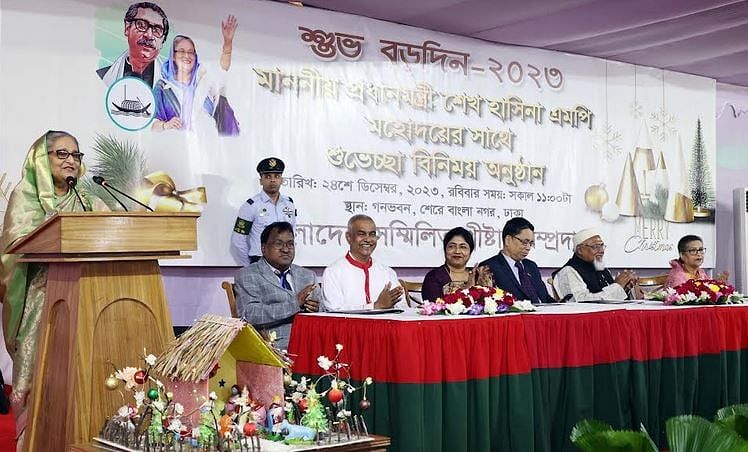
(512, 270)
(146, 29)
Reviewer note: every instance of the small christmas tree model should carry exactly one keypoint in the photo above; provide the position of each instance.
(700, 177)
(315, 415)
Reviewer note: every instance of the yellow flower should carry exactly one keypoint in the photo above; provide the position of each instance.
(713, 287)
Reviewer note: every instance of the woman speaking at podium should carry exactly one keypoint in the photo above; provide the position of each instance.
(50, 173)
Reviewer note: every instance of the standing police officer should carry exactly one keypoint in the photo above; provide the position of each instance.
(262, 209)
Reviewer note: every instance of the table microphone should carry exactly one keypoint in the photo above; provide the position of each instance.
(101, 181)
(72, 181)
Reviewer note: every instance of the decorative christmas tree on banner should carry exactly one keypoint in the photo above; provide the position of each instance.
(700, 177)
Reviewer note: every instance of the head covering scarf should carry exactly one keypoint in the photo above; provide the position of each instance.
(171, 107)
(31, 202)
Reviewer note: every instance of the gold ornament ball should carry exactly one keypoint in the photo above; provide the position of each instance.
(111, 383)
(287, 379)
(170, 395)
(595, 197)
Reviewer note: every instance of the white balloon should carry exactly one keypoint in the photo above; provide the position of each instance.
(610, 212)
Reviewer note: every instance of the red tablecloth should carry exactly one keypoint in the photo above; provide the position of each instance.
(460, 349)
(521, 382)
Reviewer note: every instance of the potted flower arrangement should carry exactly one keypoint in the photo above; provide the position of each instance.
(304, 397)
(697, 292)
(476, 300)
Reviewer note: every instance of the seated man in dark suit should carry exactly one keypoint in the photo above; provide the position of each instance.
(272, 290)
(511, 269)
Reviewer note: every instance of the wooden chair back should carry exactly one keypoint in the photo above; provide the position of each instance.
(553, 289)
(650, 283)
(231, 296)
(411, 287)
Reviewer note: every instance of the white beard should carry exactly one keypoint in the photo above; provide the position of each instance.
(599, 264)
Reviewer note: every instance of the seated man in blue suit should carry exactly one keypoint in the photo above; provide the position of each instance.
(512, 271)
(270, 291)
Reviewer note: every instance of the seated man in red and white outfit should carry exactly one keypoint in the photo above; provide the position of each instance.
(356, 281)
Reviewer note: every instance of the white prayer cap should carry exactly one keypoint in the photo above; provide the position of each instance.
(583, 235)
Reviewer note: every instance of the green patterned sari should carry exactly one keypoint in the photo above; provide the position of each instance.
(32, 201)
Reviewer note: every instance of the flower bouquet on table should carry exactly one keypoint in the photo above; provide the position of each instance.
(697, 292)
(476, 300)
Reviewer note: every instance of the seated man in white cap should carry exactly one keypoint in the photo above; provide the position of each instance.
(585, 278)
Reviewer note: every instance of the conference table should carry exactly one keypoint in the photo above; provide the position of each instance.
(519, 382)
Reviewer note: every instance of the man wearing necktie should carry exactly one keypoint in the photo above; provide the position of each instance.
(512, 271)
(272, 290)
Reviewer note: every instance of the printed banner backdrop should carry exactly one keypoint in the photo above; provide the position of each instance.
(422, 131)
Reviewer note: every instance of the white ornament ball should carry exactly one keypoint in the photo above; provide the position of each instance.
(595, 197)
(610, 212)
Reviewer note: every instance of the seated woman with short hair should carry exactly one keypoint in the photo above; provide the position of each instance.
(688, 265)
(458, 247)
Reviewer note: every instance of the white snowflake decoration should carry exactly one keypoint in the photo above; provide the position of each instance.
(663, 124)
(608, 140)
(636, 110)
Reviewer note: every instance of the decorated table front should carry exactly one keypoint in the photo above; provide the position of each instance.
(520, 382)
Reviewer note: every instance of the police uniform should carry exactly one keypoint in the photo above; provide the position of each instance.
(257, 213)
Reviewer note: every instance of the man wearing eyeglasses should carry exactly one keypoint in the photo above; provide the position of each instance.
(271, 291)
(585, 277)
(146, 29)
(511, 269)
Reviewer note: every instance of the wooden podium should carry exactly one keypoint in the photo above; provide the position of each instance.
(105, 305)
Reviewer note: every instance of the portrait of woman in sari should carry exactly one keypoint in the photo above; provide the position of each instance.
(42, 192)
(188, 92)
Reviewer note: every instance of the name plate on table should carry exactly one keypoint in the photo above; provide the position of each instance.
(368, 311)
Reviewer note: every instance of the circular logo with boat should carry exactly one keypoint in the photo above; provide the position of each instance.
(130, 103)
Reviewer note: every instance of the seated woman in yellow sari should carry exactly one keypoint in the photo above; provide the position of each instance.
(42, 192)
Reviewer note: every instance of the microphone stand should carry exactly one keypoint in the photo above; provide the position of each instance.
(71, 181)
(107, 184)
(115, 198)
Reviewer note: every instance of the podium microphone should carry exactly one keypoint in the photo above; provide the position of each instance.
(101, 181)
(71, 181)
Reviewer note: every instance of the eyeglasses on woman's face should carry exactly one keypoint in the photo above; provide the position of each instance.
(695, 251)
(63, 154)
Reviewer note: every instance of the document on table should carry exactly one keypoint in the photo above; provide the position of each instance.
(368, 311)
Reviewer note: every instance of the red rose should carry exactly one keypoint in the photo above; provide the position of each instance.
(507, 299)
